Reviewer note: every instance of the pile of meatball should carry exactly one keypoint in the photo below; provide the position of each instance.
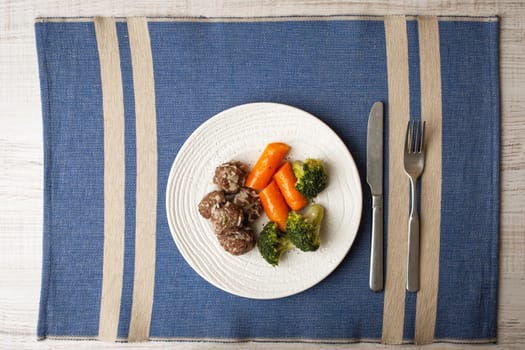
(232, 208)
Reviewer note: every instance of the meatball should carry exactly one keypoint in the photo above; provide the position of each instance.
(226, 216)
(212, 200)
(237, 240)
(230, 176)
(249, 201)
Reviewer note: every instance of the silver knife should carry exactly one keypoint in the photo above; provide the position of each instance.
(374, 177)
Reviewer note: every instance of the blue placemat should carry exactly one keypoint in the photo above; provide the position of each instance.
(334, 68)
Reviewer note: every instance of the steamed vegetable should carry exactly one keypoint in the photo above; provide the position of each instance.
(273, 243)
(285, 179)
(267, 164)
(274, 204)
(311, 176)
(303, 229)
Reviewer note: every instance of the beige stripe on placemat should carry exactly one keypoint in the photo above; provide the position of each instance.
(114, 177)
(399, 111)
(146, 196)
(430, 221)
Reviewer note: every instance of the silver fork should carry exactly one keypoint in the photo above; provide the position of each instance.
(414, 160)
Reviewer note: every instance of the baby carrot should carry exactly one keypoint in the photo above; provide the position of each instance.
(274, 205)
(266, 165)
(285, 179)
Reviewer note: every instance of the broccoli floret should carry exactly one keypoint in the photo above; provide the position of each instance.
(311, 177)
(273, 243)
(303, 229)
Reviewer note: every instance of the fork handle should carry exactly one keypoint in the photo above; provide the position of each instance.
(413, 254)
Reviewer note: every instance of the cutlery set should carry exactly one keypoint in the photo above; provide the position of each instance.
(414, 163)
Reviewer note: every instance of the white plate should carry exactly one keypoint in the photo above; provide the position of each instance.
(241, 133)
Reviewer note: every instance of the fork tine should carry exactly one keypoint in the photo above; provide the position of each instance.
(413, 140)
(407, 138)
(420, 141)
(414, 136)
(422, 138)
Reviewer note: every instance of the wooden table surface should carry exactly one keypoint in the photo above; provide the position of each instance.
(21, 168)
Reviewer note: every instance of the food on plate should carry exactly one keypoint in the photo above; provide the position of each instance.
(276, 186)
(212, 200)
(285, 179)
(274, 205)
(248, 200)
(236, 240)
(226, 216)
(230, 176)
(303, 229)
(311, 175)
(232, 208)
(268, 162)
(273, 243)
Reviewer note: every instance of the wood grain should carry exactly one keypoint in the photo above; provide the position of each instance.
(21, 149)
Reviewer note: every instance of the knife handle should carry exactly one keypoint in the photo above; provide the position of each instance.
(376, 249)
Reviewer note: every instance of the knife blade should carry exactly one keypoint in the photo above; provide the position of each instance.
(374, 177)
